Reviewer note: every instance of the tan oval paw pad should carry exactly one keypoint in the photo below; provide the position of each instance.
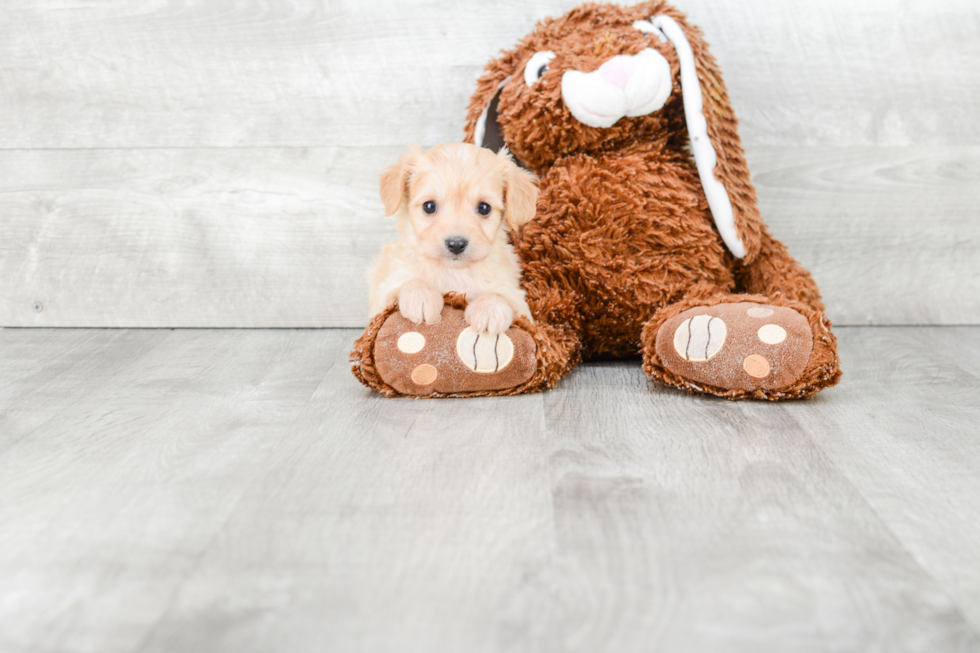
(484, 353)
(700, 337)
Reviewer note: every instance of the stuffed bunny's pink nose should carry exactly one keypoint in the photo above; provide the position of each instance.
(617, 71)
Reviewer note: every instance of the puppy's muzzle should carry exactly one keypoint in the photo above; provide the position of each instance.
(456, 245)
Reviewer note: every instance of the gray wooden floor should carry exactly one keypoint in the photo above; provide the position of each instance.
(237, 490)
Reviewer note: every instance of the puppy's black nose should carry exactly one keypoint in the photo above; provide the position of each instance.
(456, 245)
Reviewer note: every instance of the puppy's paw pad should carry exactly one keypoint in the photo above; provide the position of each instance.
(432, 310)
(743, 346)
(450, 357)
(420, 304)
(489, 315)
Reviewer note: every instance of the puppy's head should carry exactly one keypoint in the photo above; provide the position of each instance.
(458, 200)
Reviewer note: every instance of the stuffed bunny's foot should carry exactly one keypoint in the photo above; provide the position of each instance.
(742, 349)
(450, 358)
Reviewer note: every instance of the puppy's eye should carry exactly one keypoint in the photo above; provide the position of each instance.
(429, 207)
(483, 208)
(537, 66)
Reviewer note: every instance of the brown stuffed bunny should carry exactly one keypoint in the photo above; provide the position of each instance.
(647, 236)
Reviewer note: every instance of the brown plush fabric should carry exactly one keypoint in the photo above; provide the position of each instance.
(744, 361)
(819, 352)
(541, 353)
(623, 239)
(437, 367)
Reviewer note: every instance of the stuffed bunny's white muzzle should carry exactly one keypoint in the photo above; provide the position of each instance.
(626, 85)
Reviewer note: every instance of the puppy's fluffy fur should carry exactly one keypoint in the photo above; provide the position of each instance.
(440, 197)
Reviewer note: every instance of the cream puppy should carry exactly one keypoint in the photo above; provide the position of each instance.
(455, 204)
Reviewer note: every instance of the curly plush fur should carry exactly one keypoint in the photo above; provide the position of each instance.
(624, 237)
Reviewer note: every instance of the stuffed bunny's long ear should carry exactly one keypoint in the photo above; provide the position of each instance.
(715, 144)
(482, 128)
(487, 132)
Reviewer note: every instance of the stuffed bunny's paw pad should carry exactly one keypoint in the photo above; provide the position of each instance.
(450, 357)
(744, 346)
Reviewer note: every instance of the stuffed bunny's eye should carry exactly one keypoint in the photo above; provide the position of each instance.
(537, 66)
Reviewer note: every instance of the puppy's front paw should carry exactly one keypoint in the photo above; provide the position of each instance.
(490, 314)
(418, 302)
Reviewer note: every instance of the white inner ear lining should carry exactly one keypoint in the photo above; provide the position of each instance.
(481, 124)
(705, 157)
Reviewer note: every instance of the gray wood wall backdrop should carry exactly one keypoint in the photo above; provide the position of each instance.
(214, 162)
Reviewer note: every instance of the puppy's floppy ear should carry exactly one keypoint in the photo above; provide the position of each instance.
(394, 183)
(395, 178)
(520, 192)
(713, 129)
